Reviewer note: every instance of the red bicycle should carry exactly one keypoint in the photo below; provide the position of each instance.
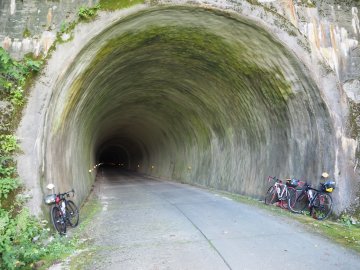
(63, 212)
(280, 192)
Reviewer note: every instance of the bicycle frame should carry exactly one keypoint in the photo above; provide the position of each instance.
(311, 194)
(61, 202)
(280, 187)
(61, 206)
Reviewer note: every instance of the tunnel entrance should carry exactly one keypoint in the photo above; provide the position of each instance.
(119, 151)
(114, 155)
(192, 95)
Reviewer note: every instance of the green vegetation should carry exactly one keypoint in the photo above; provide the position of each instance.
(111, 5)
(308, 3)
(340, 230)
(66, 27)
(26, 33)
(88, 13)
(8, 180)
(24, 239)
(13, 76)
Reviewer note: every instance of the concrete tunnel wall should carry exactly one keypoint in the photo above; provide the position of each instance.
(189, 94)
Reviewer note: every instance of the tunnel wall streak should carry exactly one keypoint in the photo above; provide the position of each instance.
(209, 154)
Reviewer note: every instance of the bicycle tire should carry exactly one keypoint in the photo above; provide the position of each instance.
(271, 196)
(72, 213)
(291, 192)
(298, 201)
(321, 206)
(58, 220)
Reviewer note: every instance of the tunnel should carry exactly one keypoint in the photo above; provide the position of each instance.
(192, 95)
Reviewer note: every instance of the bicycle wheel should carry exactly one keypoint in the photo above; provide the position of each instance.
(290, 194)
(72, 213)
(297, 201)
(321, 206)
(58, 219)
(271, 196)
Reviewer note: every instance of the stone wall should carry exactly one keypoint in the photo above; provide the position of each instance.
(30, 26)
(332, 27)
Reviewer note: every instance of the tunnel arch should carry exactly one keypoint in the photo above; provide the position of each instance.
(189, 94)
(195, 95)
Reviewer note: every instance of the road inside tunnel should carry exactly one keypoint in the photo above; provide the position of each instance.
(147, 223)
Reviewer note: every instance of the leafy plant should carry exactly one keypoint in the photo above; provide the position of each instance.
(6, 167)
(8, 144)
(17, 96)
(24, 239)
(347, 219)
(8, 182)
(7, 185)
(86, 13)
(13, 75)
(26, 33)
(33, 65)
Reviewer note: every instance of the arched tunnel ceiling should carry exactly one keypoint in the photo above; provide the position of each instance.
(192, 95)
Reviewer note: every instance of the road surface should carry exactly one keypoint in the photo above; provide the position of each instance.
(151, 224)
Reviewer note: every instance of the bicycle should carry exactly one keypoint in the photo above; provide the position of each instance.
(64, 212)
(280, 191)
(316, 203)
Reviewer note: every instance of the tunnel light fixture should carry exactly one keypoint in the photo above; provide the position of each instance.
(90, 171)
(152, 166)
(189, 168)
(138, 165)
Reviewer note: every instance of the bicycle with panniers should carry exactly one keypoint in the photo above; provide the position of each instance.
(315, 202)
(63, 212)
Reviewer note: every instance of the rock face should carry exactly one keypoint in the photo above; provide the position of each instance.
(219, 94)
(6, 110)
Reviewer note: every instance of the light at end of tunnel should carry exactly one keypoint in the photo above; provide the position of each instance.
(90, 171)
(189, 168)
(138, 166)
(152, 166)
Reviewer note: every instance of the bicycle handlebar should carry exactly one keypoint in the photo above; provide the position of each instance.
(311, 188)
(273, 178)
(67, 193)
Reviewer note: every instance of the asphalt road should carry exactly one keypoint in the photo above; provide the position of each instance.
(151, 224)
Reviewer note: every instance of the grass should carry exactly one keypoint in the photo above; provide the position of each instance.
(111, 5)
(344, 234)
(77, 239)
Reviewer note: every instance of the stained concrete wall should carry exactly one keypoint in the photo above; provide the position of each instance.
(314, 56)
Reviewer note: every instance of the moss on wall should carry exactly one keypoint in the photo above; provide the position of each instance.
(181, 88)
